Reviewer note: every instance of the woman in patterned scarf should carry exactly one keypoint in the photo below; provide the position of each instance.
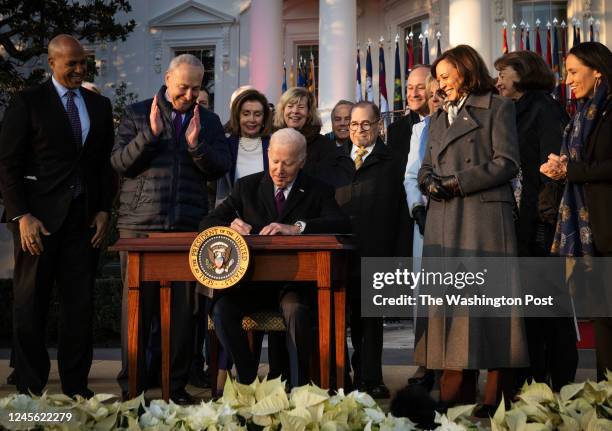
(585, 164)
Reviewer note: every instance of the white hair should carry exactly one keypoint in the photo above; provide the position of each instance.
(189, 59)
(289, 136)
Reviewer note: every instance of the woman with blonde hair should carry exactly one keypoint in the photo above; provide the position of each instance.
(297, 108)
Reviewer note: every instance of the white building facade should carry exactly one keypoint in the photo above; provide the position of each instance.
(248, 41)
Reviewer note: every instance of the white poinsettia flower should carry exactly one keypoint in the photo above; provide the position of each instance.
(23, 402)
(363, 398)
(447, 425)
(147, 420)
(375, 415)
(391, 423)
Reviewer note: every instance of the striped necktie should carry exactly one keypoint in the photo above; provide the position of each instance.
(359, 153)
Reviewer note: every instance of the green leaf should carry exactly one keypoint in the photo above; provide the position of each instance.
(537, 393)
(106, 424)
(599, 424)
(535, 413)
(456, 412)
(569, 424)
(133, 404)
(516, 420)
(587, 418)
(500, 413)
(271, 404)
(570, 391)
(593, 394)
(262, 421)
(292, 422)
(307, 396)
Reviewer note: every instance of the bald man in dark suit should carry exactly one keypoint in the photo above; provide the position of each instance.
(56, 181)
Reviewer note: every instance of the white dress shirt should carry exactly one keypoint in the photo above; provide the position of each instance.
(286, 190)
(78, 101)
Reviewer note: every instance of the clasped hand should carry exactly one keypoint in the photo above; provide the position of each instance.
(555, 168)
(440, 188)
(193, 129)
(244, 228)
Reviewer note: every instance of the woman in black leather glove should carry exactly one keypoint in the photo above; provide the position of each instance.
(471, 157)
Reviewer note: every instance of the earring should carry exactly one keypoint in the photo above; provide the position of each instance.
(597, 82)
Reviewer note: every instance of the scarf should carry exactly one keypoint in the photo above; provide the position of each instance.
(573, 235)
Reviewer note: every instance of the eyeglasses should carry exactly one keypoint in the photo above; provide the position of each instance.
(364, 125)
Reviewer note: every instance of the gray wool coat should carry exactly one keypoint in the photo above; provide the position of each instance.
(481, 149)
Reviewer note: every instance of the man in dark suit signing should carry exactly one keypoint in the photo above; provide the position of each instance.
(282, 201)
(56, 181)
(167, 147)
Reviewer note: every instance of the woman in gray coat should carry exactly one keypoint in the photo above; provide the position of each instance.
(471, 157)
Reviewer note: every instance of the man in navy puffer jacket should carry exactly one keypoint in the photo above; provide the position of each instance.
(166, 149)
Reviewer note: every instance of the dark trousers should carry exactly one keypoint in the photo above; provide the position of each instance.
(603, 346)
(603, 326)
(182, 324)
(295, 305)
(366, 338)
(65, 264)
(552, 351)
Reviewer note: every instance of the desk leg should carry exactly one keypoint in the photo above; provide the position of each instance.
(165, 300)
(133, 276)
(340, 326)
(324, 302)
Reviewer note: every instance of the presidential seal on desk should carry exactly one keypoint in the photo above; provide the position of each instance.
(219, 257)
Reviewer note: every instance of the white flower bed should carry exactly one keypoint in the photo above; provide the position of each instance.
(266, 406)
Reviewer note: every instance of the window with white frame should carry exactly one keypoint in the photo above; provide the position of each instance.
(207, 57)
(529, 11)
(417, 27)
(304, 53)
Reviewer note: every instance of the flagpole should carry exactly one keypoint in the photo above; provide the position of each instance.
(383, 100)
(522, 43)
(548, 45)
(398, 96)
(538, 41)
(420, 58)
(368, 90)
(505, 37)
(513, 41)
(439, 47)
(358, 89)
(284, 85)
(527, 38)
(563, 97)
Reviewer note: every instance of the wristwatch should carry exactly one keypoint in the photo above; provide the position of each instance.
(301, 225)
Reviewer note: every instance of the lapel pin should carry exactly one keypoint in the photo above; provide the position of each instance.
(302, 190)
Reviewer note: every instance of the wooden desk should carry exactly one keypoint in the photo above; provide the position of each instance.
(163, 257)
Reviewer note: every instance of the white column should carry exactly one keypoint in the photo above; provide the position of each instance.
(266, 47)
(337, 54)
(470, 23)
